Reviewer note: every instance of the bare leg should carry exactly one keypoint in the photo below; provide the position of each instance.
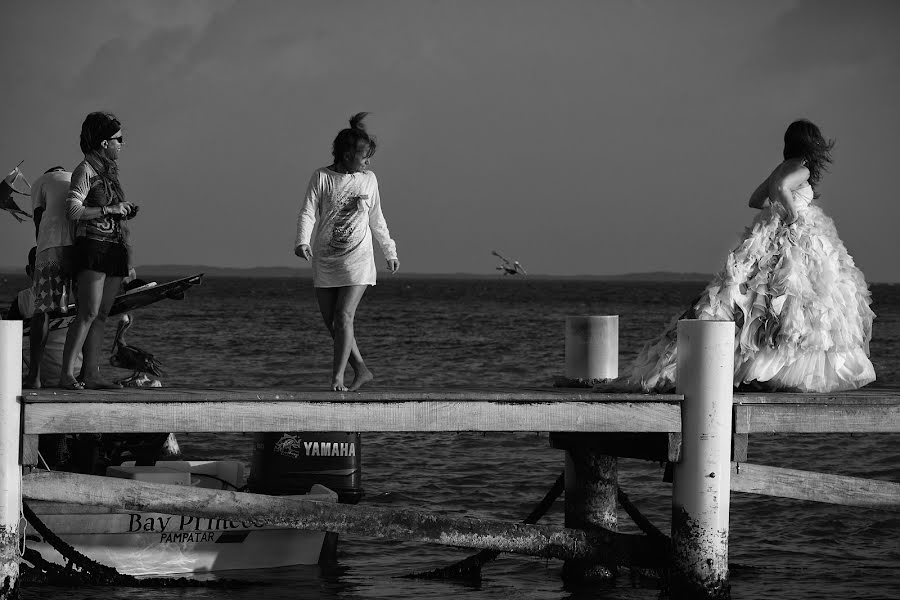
(94, 339)
(328, 298)
(90, 295)
(338, 307)
(37, 339)
(362, 374)
(344, 338)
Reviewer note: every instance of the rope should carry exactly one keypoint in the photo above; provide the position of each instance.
(470, 568)
(23, 522)
(41, 456)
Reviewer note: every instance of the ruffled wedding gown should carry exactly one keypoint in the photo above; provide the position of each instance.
(799, 303)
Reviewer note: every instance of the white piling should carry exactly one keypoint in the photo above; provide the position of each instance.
(701, 491)
(592, 347)
(10, 467)
(592, 352)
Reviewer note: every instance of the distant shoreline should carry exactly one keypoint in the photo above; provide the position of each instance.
(176, 271)
(278, 272)
(275, 272)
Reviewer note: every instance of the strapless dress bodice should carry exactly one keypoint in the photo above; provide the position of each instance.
(803, 196)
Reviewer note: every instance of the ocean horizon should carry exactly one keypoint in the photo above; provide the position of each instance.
(173, 270)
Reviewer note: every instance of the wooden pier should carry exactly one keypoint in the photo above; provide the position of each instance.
(640, 425)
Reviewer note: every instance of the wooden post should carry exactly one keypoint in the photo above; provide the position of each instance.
(10, 467)
(592, 352)
(702, 479)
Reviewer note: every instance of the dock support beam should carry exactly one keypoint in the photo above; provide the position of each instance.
(592, 353)
(701, 491)
(10, 466)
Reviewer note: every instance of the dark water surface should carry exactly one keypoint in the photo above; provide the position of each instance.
(428, 333)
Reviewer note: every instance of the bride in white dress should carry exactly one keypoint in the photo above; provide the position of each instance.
(799, 303)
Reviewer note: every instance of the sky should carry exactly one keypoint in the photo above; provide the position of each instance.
(593, 138)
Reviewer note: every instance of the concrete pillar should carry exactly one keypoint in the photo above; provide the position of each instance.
(701, 490)
(10, 466)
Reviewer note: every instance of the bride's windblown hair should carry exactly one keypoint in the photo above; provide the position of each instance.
(803, 139)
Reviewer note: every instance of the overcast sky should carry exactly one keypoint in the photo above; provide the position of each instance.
(577, 137)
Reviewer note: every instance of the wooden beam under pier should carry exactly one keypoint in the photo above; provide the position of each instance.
(817, 418)
(551, 409)
(867, 410)
(815, 487)
(371, 521)
(153, 410)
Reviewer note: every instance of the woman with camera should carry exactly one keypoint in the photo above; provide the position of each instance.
(97, 204)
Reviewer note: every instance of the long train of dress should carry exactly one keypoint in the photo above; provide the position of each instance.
(799, 303)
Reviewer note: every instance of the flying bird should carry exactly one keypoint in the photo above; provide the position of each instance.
(509, 267)
(125, 356)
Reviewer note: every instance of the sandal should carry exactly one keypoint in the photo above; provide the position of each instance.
(73, 386)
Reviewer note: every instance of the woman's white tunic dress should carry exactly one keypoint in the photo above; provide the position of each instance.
(340, 214)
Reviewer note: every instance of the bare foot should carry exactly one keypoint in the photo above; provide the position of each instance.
(337, 385)
(101, 384)
(362, 377)
(31, 384)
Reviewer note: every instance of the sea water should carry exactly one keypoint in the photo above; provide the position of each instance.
(429, 333)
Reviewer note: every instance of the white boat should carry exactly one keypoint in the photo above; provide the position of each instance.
(139, 543)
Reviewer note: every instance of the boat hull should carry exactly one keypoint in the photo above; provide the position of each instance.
(141, 543)
(160, 553)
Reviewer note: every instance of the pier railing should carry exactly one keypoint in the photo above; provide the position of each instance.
(702, 431)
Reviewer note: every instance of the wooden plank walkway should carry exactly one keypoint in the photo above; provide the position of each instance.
(874, 410)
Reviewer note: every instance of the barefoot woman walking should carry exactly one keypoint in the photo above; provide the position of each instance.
(343, 200)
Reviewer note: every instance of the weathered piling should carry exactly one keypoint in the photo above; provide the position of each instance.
(702, 478)
(10, 465)
(590, 502)
(592, 353)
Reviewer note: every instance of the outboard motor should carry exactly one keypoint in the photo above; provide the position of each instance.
(291, 462)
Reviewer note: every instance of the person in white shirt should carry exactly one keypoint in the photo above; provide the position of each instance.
(343, 204)
(52, 266)
(53, 447)
(22, 308)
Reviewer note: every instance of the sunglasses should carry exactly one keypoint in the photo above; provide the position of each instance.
(120, 139)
